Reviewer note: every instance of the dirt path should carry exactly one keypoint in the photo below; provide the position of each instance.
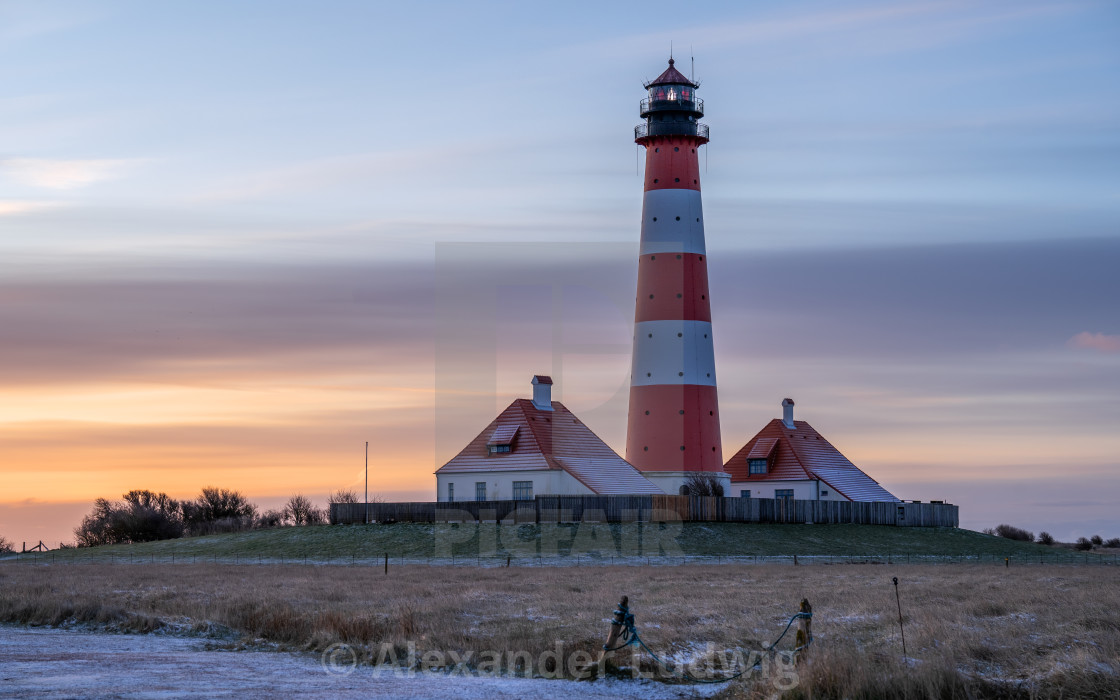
(52, 663)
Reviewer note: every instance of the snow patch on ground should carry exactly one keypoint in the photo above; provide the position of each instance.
(53, 663)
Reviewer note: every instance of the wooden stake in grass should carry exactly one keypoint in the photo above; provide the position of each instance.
(616, 630)
(900, 627)
(804, 625)
(386, 563)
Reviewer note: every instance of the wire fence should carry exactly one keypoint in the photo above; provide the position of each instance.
(386, 559)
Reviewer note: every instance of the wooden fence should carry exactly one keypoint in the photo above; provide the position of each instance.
(625, 509)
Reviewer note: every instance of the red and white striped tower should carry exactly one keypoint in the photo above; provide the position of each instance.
(673, 427)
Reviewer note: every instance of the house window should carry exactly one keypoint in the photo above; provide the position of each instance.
(787, 494)
(757, 466)
(494, 449)
(745, 493)
(522, 490)
(480, 490)
(824, 493)
(451, 492)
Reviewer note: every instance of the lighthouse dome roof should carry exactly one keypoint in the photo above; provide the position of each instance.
(672, 76)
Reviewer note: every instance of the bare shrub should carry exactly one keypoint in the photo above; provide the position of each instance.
(141, 516)
(1010, 532)
(703, 484)
(1045, 538)
(1096, 539)
(218, 510)
(270, 519)
(1113, 543)
(6, 546)
(301, 511)
(1083, 544)
(343, 496)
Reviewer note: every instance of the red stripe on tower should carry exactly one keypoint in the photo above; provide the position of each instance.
(673, 424)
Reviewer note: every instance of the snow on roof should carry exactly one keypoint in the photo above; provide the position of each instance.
(802, 454)
(554, 439)
(503, 435)
(763, 448)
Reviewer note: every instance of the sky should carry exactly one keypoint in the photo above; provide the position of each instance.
(240, 239)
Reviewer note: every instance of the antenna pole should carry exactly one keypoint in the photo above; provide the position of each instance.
(367, 482)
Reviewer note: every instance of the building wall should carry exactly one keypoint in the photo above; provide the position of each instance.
(499, 484)
(671, 482)
(805, 490)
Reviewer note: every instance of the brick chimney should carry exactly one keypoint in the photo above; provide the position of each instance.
(542, 392)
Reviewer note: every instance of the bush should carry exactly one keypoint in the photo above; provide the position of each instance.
(702, 484)
(300, 511)
(141, 516)
(218, 510)
(1096, 539)
(1083, 545)
(1045, 538)
(6, 546)
(1013, 533)
(270, 519)
(1113, 543)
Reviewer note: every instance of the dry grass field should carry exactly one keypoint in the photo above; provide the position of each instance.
(971, 631)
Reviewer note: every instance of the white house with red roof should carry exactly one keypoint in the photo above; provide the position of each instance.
(790, 459)
(533, 448)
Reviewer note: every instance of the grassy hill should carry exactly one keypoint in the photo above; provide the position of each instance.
(589, 543)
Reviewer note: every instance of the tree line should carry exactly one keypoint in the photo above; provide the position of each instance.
(145, 516)
(1082, 544)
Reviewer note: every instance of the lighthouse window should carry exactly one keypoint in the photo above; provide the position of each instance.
(655, 218)
(678, 218)
(677, 179)
(757, 466)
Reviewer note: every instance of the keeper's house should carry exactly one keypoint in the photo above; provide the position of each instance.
(537, 448)
(789, 459)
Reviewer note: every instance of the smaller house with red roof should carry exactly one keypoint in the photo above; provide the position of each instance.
(790, 459)
(533, 448)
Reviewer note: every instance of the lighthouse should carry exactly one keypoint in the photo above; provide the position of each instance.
(673, 423)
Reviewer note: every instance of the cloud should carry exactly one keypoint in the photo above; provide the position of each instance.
(64, 174)
(15, 207)
(1095, 341)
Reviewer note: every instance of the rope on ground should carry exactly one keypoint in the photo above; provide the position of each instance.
(628, 636)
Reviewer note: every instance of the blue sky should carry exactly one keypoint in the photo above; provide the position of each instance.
(912, 210)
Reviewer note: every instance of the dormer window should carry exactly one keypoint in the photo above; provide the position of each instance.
(758, 459)
(502, 440)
